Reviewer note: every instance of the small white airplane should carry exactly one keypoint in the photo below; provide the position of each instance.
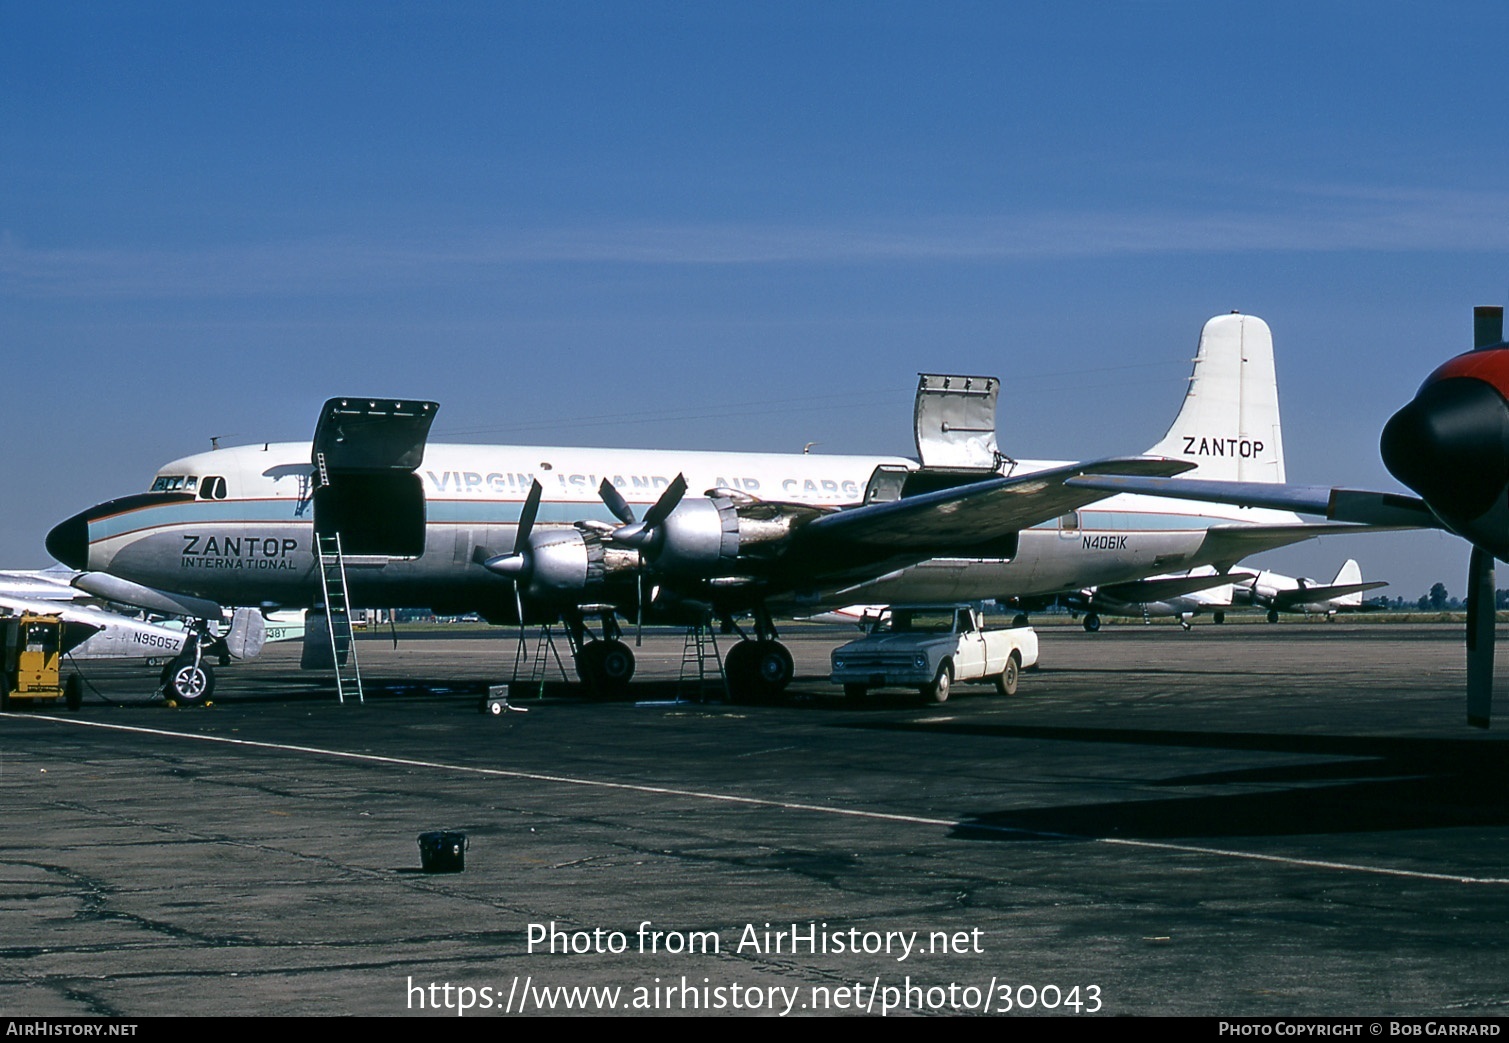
(93, 632)
(1279, 593)
(539, 533)
(1182, 595)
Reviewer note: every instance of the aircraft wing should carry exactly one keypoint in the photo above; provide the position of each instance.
(954, 520)
(1287, 599)
(1143, 590)
(976, 520)
(1359, 506)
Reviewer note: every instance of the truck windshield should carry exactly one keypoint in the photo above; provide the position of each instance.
(914, 621)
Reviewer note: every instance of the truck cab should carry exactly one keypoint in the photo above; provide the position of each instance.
(931, 648)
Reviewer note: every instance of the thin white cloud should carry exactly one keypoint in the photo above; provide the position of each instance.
(1313, 219)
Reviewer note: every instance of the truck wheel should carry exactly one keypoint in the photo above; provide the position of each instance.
(1006, 680)
(855, 691)
(938, 690)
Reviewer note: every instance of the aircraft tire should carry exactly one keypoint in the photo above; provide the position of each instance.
(938, 691)
(738, 671)
(773, 667)
(606, 666)
(1092, 622)
(1218, 617)
(1008, 679)
(183, 682)
(73, 692)
(1273, 615)
(757, 670)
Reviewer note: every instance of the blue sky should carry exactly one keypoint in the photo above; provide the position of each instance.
(733, 226)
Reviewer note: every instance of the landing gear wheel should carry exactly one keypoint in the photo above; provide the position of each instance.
(73, 692)
(1218, 616)
(1092, 622)
(1273, 615)
(757, 670)
(938, 690)
(184, 681)
(606, 666)
(1007, 680)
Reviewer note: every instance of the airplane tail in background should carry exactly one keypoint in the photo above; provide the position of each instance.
(1349, 576)
(1228, 426)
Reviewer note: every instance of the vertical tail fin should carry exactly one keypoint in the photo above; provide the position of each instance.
(1349, 575)
(1229, 426)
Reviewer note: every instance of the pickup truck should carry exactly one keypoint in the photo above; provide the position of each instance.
(931, 649)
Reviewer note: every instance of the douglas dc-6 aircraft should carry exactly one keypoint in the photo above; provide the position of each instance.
(1450, 444)
(538, 533)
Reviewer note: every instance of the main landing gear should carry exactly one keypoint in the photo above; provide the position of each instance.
(606, 664)
(188, 680)
(757, 668)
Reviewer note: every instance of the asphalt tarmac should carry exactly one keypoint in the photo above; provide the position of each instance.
(1241, 820)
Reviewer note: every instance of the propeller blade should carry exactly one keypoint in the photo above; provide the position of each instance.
(527, 516)
(1480, 637)
(639, 602)
(667, 502)
(616, 503)
(637, 534)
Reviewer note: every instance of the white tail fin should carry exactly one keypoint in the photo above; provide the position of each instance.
(1228, 425)
(1349, 575)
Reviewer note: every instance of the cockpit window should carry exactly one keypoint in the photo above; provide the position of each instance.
(167, 483)
(212, 488)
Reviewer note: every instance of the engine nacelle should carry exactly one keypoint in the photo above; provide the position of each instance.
(699, 538)
(563, 564)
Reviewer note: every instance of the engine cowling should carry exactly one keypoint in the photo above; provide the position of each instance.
(699, 538)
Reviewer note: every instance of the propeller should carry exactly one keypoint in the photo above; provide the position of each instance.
(518, 564)
(1450, 444)
(1480, 635)
(639, 534)
(647, 533)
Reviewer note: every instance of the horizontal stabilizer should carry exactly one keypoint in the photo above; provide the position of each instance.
(1236, 541)
(1392, 510)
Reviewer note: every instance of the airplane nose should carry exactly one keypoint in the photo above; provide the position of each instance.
(1450, 444)
(68, 541)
